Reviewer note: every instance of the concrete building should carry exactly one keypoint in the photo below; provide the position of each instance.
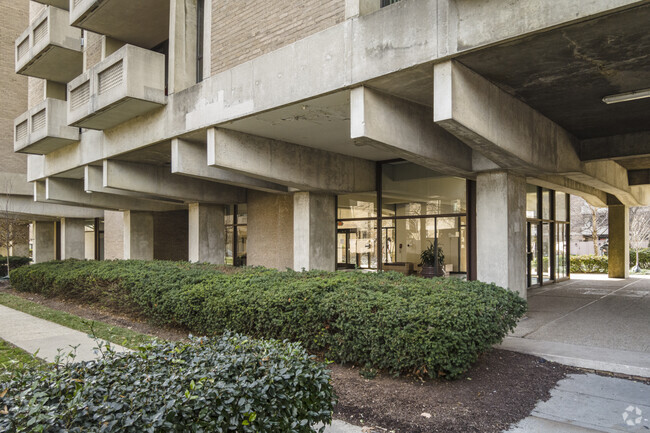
(337, 134)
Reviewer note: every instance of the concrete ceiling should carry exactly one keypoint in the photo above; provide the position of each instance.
(159, 154)
(321, 123)
(414, 84)
(564, 73)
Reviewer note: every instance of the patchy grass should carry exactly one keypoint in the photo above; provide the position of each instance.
(114, 334)
(13, 359)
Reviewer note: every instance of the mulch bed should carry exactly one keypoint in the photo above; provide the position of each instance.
(501, 389)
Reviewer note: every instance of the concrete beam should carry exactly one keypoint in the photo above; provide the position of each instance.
(292, 165)
(24, 207)
(594, 196)
(15, 184)
(616, 147)
(71, 191)
(514, 135)
(406, 128)
(159, 181)
(639, 177)
(191, 159)
(94, 182)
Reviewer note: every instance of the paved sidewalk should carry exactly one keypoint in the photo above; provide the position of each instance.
(590, 321)
(584, 403)
(31, 334)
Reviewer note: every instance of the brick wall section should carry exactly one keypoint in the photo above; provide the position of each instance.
(36, 93)
(245, 29)
(14, 17)
(93, 49)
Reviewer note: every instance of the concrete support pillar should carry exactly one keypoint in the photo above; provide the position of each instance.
(206, 233)
(619, 241)
(314, 231)
(138, 235)
(501, 230)
(182, 45)
(73, 245)
(44, 241)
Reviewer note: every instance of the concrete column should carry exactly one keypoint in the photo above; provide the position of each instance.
(73, 245)
(314, 231)
(501, 230)
(138, 235)
(619, 241)
(182, 45)
(44, 241)
(113, 235)
(207, 241)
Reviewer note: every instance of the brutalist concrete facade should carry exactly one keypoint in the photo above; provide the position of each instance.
(281, 107)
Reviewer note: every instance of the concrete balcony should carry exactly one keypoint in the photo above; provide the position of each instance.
(144, 23)
(50, 48)
(61, 4)
(126, 84)
(44, 128)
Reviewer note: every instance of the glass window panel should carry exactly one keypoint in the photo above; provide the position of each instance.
(546, 204)
(449, 239)
(533, 254)
(560, 207)
(410, 190)
(531, 201)
(229, 245)
(361, 205)
(242, 214)
(357, 244)
(242, 237)
(546, 251)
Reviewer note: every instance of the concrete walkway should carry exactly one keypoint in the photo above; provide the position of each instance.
(584, 403)
(591, 322)
(33, 334)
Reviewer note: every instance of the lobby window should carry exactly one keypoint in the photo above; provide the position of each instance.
(418, 206)
(94, 239)
(236, 219)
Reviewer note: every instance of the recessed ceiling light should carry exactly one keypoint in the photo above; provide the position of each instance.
(628, 96)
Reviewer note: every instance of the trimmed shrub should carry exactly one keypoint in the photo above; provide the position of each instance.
(384, 321)
(589, 264)
(14, 262)
(231, 384)
(644, 258)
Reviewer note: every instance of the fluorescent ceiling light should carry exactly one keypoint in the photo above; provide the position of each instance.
(629, 96)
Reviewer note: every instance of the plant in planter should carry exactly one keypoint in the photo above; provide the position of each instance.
(433, 260)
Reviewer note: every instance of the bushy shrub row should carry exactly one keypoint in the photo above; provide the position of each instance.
(231, 384)
(14, 262)
(588, 264)
(644, 258)
(383, 321)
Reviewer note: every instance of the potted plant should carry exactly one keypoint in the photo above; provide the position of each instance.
(433, 260)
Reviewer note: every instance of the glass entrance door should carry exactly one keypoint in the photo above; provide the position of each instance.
(346, 257)
(533, 254)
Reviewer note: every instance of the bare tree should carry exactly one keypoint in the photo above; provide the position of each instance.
(12, 230)
(587, 218)
(639, 231)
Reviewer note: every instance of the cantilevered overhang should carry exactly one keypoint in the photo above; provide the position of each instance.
(44, 128)
(50, 48)
(126, 84)
(61, 4)
(144, 23)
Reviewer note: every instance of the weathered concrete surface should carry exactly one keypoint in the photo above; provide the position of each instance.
(270, 230)
(190, 159)
(49, 339)
(113, 235)
(160, 182)
(138, 235)
(182, 45)
(501, 230)
(24, 207)
(73, 238)
(618, 260)
(314, 231)
(616, 147)
(289, 164)
(206, 233)
(589, 321)
(44, 241)
(406, 129)
(591, 403)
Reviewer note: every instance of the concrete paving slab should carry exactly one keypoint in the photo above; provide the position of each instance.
(33, 334)
(588, 403)
(595, 358)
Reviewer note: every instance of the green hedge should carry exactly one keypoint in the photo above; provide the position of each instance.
(14, 262)
(589, 264)
(231, 384)
(644, 258)
(379, 320)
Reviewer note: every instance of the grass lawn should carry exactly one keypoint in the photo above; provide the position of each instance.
(14, 359)
(114, 334)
